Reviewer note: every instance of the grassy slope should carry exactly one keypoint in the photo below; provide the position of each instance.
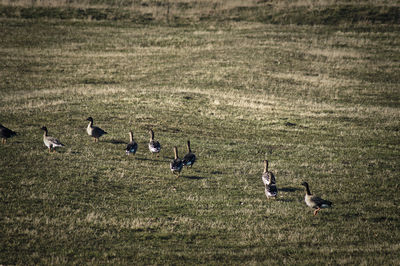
(320, 102)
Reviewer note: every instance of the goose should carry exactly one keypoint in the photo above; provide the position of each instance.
(189, 158)
(176, 164)
(314, 201)
(50, 142)
(6, 133)
(154, 146)
(132, 145)
(269, 181)
(95, 132)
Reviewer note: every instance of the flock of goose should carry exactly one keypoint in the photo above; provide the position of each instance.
(176, 164)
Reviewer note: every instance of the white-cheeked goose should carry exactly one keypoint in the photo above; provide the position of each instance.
(50, 142)
(176, 164)
(6, 133)
(269, 181)
(154, 146)
(315, 202)
(93, 131)
(132, 145)
(189, 158)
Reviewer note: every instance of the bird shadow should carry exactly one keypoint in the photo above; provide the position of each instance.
(290, 189)
(115, 141)
(193, 177)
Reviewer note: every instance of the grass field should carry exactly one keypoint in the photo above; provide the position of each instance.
(320, 102)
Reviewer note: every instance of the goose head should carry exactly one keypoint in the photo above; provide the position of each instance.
(90, 119)
(44, 128)
(305, 184)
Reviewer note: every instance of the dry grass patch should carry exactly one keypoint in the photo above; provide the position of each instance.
(242, 93)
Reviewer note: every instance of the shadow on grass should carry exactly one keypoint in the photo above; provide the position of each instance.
(290, 189)
(10, 142)
(115, 141)
(193, 177)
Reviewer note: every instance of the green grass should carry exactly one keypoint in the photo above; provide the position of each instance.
(320, 102)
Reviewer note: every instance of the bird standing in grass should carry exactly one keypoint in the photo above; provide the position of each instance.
(132, 145)
(176, 164)
(269, 181)
(50, 142)
(189, 158)
(6, 133)
(95, 132)
(154, 146)
(315, 202)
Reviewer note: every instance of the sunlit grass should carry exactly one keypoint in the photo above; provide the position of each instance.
(319, 102)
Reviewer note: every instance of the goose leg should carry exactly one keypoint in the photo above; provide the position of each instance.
(316, 211)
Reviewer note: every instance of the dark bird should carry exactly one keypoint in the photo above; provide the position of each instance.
(154, 146)
(315, 202)
(95, 132)
(6, 133)
(189, 158)
(176, 164)
(132, 145)
(50, 142)
(269, 181)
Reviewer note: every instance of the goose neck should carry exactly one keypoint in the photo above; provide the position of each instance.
(176, 152)
(307, 190)
(151, 135)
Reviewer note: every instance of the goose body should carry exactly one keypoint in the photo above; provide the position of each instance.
(269, 181)
(176, 165)
(154, 146)
(315, 202)
(93, 131)
(50, 142)
(189, 158)
(132, 145)
(6, 133)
